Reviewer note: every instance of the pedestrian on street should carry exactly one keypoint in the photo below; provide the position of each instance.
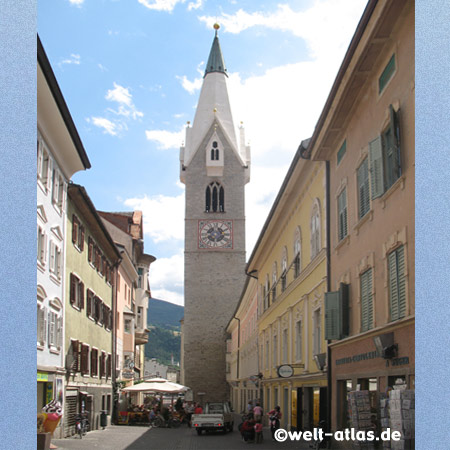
(257, 412)
(274, 419)
(198, 409)
(248, 430)
(258, 432)
(249, 407)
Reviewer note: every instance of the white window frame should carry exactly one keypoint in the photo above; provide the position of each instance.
(317, 331)
(297, 252)
(315, 228)
(41, 246)
(298, 340)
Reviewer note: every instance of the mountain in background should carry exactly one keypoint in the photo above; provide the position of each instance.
(163, 321)
(164, 314)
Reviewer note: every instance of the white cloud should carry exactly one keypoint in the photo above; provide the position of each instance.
(73, 59)
(166, 139)
(76, 2)
(122, 96)
(198, 4)
(102, 67)
(167, 279)
(326, 26)
(163, 216)
(190, 86)
(108, 126)
(160, 5)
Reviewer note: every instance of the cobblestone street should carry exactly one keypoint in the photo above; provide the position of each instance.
(137, 438)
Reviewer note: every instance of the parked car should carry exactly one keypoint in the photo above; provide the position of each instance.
(215, 417)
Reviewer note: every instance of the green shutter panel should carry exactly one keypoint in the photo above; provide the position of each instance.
(393, 286)
(332, 315)
(364, 319)
(401, 282)
(369, 300)
(395, 136)
(376, 167)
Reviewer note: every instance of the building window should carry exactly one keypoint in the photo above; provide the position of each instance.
(274, 282)
(366, 300)
(76, 292)
(41, 320)
(397, 283)
(362, 176)
(385, 158)
(77, 233)
(275, 351)
(140, 315)
(387, 74)
(315, 230)
(284, 270)
(84, 359)
(342, 214)
(41, 246)
(140, 279)
(127, 325)
(94, 362)
(103, 365)
(285, 346)
(43, 164)
(341, 152)
(317, 331)
(267, 354)
(55, 328)
(297, 252)
(214, 198)
(298, 340)
(266, 293)
(215, 151)
(55, 260)
(57, 189)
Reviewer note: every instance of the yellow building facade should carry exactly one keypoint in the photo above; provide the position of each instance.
(290, 262)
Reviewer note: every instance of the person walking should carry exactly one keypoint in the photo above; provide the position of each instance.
(257, 412)
(258, 432)
(274, 420)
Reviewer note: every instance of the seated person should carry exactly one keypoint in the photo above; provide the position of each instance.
(247, 430)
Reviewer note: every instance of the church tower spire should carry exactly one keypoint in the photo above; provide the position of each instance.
(215, 169)
(213, 111)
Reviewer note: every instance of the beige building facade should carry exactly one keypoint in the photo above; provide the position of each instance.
(366, 133)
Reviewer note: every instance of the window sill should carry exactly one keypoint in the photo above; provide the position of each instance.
(58, 208)
(40, 347)
(400, 183)
(41, 267)
(342, 242)
(43, 187)
(55, 351)
(76, 307)
(368, 217)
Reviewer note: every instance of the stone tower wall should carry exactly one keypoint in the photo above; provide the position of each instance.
(213, 278)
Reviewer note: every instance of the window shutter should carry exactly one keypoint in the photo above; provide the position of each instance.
(51, 327)
(395, 133)
(90, 248)
(81, 243)
(332, 316)
(76, 355)
(84, 359)
(73, 287)
(81, 287)
(58, 263)
(74, 229)
(93, 357)
(42, 325)
(88, 302)
(376, 167)
(108, 366)
(49, 171)
(59, 332)
(401, 282)
(366, 300)
(52, 257)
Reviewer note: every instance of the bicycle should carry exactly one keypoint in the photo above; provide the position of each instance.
(81, 424)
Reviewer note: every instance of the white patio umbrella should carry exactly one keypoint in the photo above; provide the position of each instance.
(161, 386)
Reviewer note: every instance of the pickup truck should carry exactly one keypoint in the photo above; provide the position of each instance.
(215, 417)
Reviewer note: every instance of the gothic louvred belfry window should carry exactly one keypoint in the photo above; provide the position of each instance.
(214, 198)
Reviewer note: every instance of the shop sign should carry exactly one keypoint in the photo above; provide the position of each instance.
(285, 371)
(357, 358)
(42, 376)
(398, 361)
(128, 374)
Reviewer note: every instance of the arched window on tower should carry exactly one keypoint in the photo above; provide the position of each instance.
(215, 198)
(215, 151)
(212, 154)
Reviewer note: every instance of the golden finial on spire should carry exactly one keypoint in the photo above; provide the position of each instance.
(216, 26)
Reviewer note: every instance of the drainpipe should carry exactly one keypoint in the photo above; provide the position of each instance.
(115, 394)
(329, 381)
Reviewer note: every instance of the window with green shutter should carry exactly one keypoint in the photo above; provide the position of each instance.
(366, 300)
(363, 189)
(397, 283)
(332, 316)
(384, 157)
(341, 152)
(387, 73)
(342, 214)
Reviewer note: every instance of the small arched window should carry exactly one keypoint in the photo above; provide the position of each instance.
(274, 281)
(297, 252)
(315, 229)
(284, 270)
(215, 151)
(215, 198)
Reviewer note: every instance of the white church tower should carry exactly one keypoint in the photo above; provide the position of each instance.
(215, 167)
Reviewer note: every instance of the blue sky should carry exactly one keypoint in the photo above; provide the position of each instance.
(131, 71)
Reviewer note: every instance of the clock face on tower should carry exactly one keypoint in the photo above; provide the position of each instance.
(215, 234)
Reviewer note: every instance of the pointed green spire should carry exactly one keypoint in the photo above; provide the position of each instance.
(215, 60)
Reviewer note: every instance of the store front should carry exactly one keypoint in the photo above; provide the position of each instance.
(358, 364)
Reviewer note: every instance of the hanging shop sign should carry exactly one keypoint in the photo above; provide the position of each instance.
(285, 371)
